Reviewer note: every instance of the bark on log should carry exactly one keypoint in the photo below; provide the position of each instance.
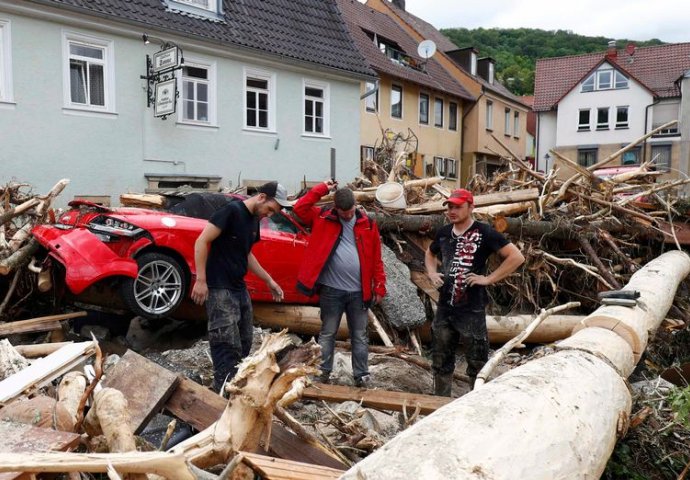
(505, 429)
(110, 415)
(559, 230)
(408, 223)
(19, 257)
(70, 391)
(504, 209)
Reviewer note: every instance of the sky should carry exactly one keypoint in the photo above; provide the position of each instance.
(667, 20)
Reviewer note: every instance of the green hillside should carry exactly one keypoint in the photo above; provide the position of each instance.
(516, 50)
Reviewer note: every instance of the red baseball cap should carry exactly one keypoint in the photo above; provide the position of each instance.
(459, 196)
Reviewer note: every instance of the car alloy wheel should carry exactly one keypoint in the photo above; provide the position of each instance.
(159, 287)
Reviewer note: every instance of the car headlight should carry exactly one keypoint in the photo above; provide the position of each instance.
(105, 227)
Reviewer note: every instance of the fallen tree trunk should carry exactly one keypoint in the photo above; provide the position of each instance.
(525, 195)
(506, 429)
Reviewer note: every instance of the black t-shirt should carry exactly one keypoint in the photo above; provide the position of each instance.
(227, 258)
(461, 255)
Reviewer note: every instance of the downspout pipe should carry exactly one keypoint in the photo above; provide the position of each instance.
(646, 117)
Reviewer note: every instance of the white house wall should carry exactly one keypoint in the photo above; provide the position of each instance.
(107, 154)
(635, 97)
(546, 139)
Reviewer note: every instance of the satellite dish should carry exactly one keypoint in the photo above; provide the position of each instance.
(426, 49)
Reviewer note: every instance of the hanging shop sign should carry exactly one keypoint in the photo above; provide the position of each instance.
(166, 59)
(165, 98)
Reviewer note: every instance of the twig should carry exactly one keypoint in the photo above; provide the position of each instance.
(168, 433)
(587, 247)
(570, 261)
(10, 292)
(486, 370)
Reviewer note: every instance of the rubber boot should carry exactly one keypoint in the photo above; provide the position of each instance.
(443, 383)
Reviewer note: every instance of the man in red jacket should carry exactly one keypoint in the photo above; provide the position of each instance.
(343, 265)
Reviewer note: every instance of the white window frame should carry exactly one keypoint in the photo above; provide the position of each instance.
(451, 168)
(210, 68)
(602, 126)
(212, 4)
(439, 166)
(325, 88)
(402, 100)
(473, 64)
(108, 63)
(437, 112)
(428, 108)
(492, 72)
(516, 124)
(6, 89)
(270, 77)
(489, 115)
(371, 102)
(506, 121)
(584, 127)
(452, 119)
(625, 124)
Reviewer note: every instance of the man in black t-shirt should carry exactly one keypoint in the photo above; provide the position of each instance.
(222, 255)
(463, 247)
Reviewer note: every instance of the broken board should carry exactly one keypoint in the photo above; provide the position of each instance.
(20, 438)
(200, 407)
(269, 468)
(380, 399)
(134, 376)
(39, 324)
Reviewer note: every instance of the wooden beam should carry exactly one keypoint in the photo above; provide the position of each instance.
(40, 349)
(44, 370)
(132, 376)
(270, 468)
(380, 399)
(524, 195)
(38, 324)
(200, 407)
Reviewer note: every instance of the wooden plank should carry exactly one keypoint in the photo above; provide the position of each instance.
(44, 370)
(20, 438)
(38, 324)
(200, 407)
(381, 399)
(39, 349)
(271, 468)
(132, 376)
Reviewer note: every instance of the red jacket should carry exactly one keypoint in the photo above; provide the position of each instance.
(325, 232)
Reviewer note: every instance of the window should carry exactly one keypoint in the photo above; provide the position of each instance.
(603, 118)
(516, 124)
(491, 73)
(621, 117)
(316, 108)
(438, 112)
(489, 115)
(451, 168)
(259, 100)
(506, 122)
(210, 5)
(88, 70)
(440, 166)
(424, 108)
(371, 102)
(6, 94)
(473, 64)
(632, 157)
(452, 116)
(198, 93)
(661, 155)
(587, 156)
(583, 122)
(204, 8)
(396, 101)
(605, 79)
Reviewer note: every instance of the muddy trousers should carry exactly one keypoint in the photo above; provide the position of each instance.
(454, 328)
(230, 332)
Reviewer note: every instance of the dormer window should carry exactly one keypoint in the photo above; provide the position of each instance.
(203, 8)
(473, 64)
(393, 51)
(491, 73)
(605, 79)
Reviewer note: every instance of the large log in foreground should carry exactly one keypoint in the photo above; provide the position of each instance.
(555, 417)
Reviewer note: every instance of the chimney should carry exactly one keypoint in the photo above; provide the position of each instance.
(399, 3)
(612, 51)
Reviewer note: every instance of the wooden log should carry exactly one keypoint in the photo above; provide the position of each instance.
(657, 283)
(142, 200)
(525, 195)
(109, 415)
(70, 391)
(296, 318)
(40, 349)
(20, 257)
(564, 230)
(11, 361)
(505, 429)
(604, 344)
(504, 209)
(408, 223)
(555, 327)
(8, 215)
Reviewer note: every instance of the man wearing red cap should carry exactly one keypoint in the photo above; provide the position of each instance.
(463, 248)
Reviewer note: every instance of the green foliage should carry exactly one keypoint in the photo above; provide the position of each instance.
(679, 399)
(516, 50)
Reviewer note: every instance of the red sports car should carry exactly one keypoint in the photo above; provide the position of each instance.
(151, 253)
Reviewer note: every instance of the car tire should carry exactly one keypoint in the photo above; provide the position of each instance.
(159, 288)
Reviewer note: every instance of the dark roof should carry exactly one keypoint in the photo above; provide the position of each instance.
(302, 30)
(531, 116)
(656, 68)
(360, 18)
(445, 44)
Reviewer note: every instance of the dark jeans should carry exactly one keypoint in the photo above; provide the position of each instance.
(451, 328)
(230, 331)
(334, 303)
